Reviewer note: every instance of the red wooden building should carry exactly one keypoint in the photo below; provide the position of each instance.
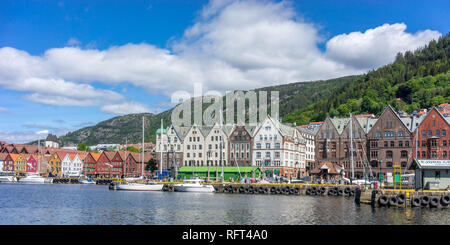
(90, 162)
(32, 166)
(104, 167)
(432, 139)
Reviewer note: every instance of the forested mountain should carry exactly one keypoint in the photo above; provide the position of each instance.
(418, 79)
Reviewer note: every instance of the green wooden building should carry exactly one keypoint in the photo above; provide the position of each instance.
(234, 173)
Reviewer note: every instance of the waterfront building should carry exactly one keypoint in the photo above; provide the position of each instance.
(55, 164)
(51, 141)
(309, 133)
(432, 137)
(278, 149)
(90, 162)
(216, 143)
(328, 142)
(327, 172)
(431, 173)
(104, 168)
(215, 173)
(32, 165)
(170, 142)
(133, 164)
(240, 145)
(20, 163)
(71, 165)
(2, 161)
(390, 142)
(8, 164)
(194, 150)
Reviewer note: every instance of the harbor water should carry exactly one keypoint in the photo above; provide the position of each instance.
(52, 204)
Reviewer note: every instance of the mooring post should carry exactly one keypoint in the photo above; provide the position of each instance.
(373, 198)
(358, 196)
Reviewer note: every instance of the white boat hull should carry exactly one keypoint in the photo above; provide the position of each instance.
(35, 180)
(186, 188)
(139, 187)
(86, 182)
(8, 179)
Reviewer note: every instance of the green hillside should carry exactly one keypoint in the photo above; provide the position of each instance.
(415, 80)
(420, 79)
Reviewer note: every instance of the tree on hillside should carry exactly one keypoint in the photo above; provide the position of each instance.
(132, 149)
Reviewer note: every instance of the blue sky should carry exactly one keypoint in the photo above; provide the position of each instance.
(68, 64)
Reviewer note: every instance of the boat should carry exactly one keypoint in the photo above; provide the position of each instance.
(35, 179)
(139, 187)
(88, 181)
(8, 178)
(194, 185)
(133, 186)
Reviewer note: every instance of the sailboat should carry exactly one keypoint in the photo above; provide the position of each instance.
(140, 186)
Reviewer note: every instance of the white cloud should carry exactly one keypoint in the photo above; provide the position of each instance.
(4, 110)
(73, 42)
(231, 45)
(376, 47)
(125, 108)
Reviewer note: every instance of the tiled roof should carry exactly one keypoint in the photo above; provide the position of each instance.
(3, 156)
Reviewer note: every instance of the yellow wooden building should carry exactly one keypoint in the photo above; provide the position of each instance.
(55, 165)
(20, 163)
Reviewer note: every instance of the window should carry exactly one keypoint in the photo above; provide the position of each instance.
(258, 146)
(389, 154)
(378, 134)
(424, 133)
(433, 155)
(400, 144)
(444, 133)
(430, 133)
(404, 164)
(444, 154)
(404, 154)
(407, 143)
(267, 153)
(267, 145)
(389, 164)
(258, 154)
(400, 134)
(438, 133)
(392, 144)
(444, 143)
(423, 154)
(385, 144)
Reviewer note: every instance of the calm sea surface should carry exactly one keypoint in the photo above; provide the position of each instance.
(80, 204)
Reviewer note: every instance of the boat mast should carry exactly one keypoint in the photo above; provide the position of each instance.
(221, 145)
(351, 146)
(160, 147)
(39, 156)
(142, 173)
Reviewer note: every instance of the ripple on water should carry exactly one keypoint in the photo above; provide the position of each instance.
(79, 204)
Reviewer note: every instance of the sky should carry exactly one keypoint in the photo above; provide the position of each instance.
(65, 65)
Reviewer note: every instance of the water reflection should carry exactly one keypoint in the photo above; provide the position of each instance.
(78, 204)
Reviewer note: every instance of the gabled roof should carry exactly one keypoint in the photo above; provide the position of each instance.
(109, 154)
(14, 156)
(339, 124)
(94, 155)
(332, 168)
(3, 156)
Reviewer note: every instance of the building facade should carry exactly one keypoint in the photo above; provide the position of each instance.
(389, 143)
(432, 139)
(240, 145)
